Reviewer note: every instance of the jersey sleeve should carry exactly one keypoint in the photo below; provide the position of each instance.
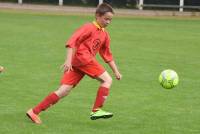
(78, 36)
(105, 51)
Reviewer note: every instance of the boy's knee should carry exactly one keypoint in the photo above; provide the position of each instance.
(109, 80)
(63, 90)
(105, 79)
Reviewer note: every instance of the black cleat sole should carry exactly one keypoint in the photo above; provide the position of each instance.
(101, 117)
(29, 117)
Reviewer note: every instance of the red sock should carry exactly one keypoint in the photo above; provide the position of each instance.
(47, 102)
(102, 94)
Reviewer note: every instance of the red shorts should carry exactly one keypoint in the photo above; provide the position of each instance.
(92, 69)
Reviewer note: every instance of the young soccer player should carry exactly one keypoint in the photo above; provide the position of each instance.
(82, 47)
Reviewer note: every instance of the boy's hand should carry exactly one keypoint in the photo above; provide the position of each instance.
(66, 67)
(118, 76)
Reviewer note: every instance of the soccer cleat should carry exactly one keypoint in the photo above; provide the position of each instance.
(34, 117)
(100, 114)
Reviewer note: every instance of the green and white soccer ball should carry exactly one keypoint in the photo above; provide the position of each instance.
(168, 79)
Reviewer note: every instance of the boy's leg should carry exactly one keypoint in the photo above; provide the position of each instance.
(102, 95)
(48, 101)
(103, 91)
(52, 98)
(69, 80)
(96, 70)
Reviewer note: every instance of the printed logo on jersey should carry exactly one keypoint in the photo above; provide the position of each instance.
(96, 44)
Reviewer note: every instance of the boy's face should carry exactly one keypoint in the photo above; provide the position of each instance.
(105, 19)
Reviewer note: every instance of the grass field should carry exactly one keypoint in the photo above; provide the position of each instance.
(32, 50)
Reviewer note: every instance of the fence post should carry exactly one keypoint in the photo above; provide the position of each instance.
(100, 1)
(60, 2)
(20, 2)
(181, 5)
(141, 2)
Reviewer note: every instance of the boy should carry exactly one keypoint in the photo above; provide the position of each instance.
(82, 47)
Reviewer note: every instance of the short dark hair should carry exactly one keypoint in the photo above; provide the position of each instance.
(104, 8)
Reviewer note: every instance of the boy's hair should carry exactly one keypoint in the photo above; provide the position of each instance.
(104, 8)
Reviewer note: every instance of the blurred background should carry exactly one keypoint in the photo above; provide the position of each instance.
(188, 5)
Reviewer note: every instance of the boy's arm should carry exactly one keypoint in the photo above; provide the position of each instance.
(115, 70)
(67, 66)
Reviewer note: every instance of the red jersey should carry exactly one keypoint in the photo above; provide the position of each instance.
(88, 40)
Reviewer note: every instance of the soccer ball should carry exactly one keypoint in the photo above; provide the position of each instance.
(168, 79)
